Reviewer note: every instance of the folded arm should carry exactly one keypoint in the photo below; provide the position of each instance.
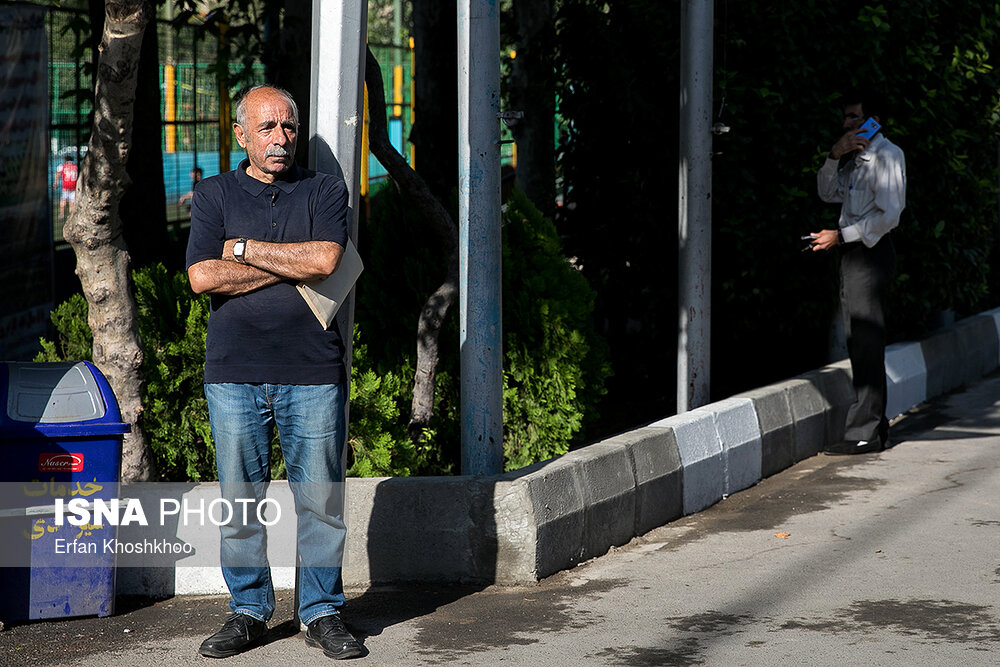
(219, 276)
(308, 260)
(264, 264)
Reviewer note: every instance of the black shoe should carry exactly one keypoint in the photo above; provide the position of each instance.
(853, 447)
(329, 634)
(239, 633)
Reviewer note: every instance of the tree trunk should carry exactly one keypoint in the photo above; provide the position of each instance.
(532, 86)
(94, 229)
(434, 133)
(436, 307)
(143, 208)
(283, 61)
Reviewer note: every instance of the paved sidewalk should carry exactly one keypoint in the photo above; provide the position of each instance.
(877, 559)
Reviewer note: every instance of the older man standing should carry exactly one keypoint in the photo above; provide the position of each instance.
(255, 232)
(866, 175)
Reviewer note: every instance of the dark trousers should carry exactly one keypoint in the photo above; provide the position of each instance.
(865, 275)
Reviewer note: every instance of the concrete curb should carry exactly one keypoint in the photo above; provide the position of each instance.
(959, 353)
(524, 525)
(777, 427)
(739, 432)
(906, 377)
(833, 383)
(700, 452)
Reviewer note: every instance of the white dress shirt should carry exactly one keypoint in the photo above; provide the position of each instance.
(871, 187)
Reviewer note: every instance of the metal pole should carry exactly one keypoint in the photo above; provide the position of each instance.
(397, 31)
(479, 236)
(170, 80)
(222, 84)
(336, 118)
(694, 336)
(339, 31)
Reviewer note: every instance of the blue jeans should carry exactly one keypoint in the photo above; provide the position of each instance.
(310, 423)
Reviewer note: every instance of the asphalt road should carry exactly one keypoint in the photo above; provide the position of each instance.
(878, 559)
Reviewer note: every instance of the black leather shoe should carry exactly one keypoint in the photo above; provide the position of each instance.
(853, 447)
(239, 633)
(329, 634)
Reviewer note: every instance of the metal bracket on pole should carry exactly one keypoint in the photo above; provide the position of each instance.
(510, 119)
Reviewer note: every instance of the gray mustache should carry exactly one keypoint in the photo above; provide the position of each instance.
(276, 151)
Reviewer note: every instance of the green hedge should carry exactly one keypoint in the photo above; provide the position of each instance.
(172, 325)
(553, 374)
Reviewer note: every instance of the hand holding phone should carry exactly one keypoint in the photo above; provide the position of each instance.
(869, 128)
(851, 140)
(825, 239)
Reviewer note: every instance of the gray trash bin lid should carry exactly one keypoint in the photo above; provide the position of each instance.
(58, 399)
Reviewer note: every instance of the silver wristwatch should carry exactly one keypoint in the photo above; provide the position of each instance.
(240, 250)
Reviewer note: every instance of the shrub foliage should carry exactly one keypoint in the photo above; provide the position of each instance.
(780, 69)
(554, 371)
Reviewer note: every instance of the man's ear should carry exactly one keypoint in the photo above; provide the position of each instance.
(240, 137)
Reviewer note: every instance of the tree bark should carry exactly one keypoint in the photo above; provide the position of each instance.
(94, 229)
(434, 133)
(444, 228)
(283, 60)
(532, 90)
(143, 208)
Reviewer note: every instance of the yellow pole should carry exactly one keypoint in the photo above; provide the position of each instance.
(364, 146)
(170, 107)
(397, 91)
(413, 95)
(513, 146)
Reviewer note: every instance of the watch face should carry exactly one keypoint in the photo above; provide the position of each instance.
(239, 248)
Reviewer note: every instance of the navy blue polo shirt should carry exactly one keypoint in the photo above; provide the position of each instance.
(269, 335)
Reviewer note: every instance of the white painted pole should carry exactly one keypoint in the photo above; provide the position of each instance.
(335, 119)
(694, 336)
(339, 31)
(479, 236)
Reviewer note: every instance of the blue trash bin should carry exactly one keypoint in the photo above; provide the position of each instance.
(60, 439)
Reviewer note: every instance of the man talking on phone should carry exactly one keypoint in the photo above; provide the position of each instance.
(865, 173)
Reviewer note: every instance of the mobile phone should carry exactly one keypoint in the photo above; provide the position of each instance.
(869, 128)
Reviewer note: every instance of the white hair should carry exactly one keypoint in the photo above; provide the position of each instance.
(241, 108)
